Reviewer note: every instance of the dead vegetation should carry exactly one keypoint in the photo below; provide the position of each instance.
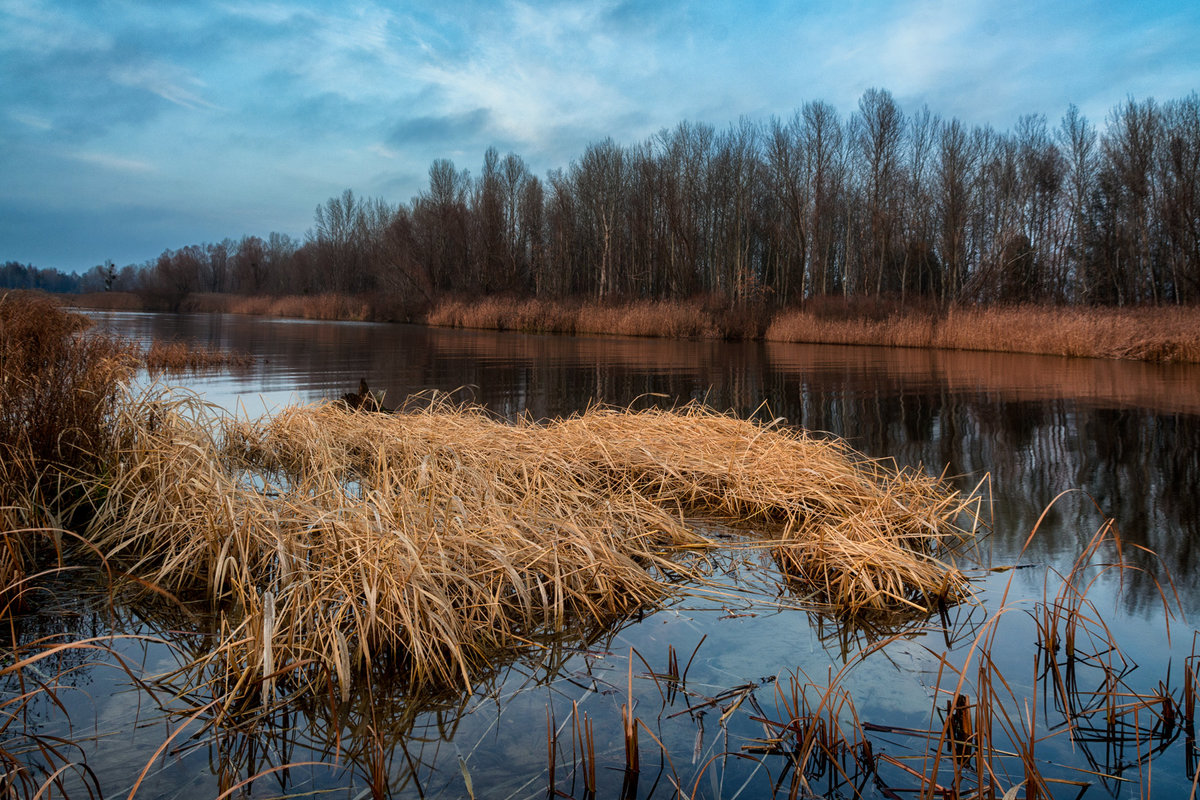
(177, 357)
(434, 538)
(334, 545)
(1001, 720)
(1170, 334)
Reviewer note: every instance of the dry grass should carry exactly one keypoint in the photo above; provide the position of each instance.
(58, 386)
(179, 357)
(58, 389)
(1165, 334)
(676, 319)
(375, 307)
(1168, 334)
(105, 301)
(433, 539)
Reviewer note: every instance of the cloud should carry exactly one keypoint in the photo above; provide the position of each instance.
(35, 121)
(272, 106)
(436, 129)
(164, 80)
(111, 162)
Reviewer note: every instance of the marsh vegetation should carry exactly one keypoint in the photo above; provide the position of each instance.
(649, 600)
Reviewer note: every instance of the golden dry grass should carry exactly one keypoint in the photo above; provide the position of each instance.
(674, 319)
(58, 389)
(326, 306)
(1168, 334)
(176, 357)
(106, 301)
(433, 539)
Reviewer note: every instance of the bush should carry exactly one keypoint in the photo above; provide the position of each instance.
(58, 387)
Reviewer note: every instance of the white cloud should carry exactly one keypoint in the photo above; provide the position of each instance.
(383, 151)
(39, 27)
(169, 82)
(116, 163)
(35, 121)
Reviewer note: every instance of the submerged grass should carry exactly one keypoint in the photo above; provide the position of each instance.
(179, 357)
(336, 545)
(432, 539)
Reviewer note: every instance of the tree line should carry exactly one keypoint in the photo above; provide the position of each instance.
(880, 203)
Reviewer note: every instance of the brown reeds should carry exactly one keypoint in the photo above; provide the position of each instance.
(177, 357)
(695, 318)
(1160, 333)
(857, 534)
(374, 307)
(985, 736)
(1168, 334)
(58, 389)
(438, 536)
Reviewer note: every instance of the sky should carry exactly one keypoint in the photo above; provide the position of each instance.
(127, 128)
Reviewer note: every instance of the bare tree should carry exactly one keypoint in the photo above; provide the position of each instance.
(1130, 145)
(1077, 140)
(600, 179)
(920, 271)
(824, 142)
(441, 218)
(788, 180)
(955, 177)
(879, 136)
(1179, 210)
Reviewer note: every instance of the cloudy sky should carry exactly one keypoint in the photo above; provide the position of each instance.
(130, 127)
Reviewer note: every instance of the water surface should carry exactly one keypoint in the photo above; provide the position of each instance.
(1121, 439)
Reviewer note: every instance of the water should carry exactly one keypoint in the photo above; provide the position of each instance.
(1123, 440)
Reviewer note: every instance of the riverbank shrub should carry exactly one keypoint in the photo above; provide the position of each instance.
(1159, 333)
(58, 391)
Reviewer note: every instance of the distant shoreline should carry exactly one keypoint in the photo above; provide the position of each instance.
(1167, 334)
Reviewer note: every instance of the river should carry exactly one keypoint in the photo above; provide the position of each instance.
(1121, 440)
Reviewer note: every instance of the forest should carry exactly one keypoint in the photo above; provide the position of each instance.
(882, 203)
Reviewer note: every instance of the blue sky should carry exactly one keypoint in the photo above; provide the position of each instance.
(130, 127)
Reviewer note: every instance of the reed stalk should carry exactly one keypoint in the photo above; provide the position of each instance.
(183, 357)
(440, 536)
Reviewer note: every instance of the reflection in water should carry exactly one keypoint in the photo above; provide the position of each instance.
(1126, 435)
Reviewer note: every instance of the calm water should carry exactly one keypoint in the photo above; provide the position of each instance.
(1126, 437)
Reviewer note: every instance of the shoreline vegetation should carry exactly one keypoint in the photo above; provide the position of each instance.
(351, 559)
(1168, 334)
(453, 534)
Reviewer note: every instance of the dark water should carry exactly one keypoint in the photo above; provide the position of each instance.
(1123, 440)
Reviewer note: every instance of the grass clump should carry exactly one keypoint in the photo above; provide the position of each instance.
(58, 391)
(432, 539)
(180, 357)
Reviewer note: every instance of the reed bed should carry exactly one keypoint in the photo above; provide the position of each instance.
(1161, 334)
(373, 307)
(58, 390)
(857, 534)
(1169, 334)
(697, 318)
(179, 357)
(432, 539)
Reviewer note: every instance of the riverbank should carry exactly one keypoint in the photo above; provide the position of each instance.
(1162, 334)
